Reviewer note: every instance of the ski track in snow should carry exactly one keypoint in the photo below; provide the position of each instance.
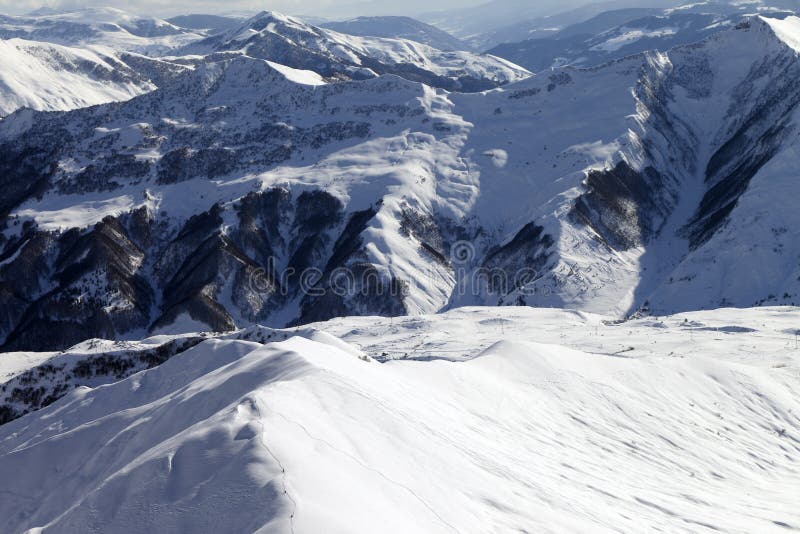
(479, 420)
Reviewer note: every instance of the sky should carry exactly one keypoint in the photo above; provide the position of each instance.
(324, 8)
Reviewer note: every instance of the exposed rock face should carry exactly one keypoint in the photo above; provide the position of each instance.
(618, 206)
(24, 171)
(757, 131)
(121, 276)
(94, 289)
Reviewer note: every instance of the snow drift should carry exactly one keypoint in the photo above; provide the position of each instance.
(667, 426)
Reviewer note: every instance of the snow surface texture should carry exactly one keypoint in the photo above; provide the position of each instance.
(481, 420)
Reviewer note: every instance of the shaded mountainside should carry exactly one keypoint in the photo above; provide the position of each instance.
(521, 25)
(246, 190)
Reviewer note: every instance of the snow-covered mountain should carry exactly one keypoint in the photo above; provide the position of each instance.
(291, 42)
(588, 21)
(398, 28)
(617, 34)
(479, 423)
(244, 191)
(287, 279)
(469, 21)
(45, 76)
(502, 21)
(104, 26)
(593, 18)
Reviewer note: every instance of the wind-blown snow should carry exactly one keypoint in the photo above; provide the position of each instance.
(503, 420)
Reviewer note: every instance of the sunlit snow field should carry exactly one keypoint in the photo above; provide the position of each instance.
(478, 420)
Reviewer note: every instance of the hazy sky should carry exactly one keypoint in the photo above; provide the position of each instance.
(328, 8)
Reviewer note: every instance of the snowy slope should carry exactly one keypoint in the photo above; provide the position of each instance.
(684, 424)
(105, 26)
(51, 77)
(696, 110)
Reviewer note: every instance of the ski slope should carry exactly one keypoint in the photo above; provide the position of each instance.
(480, 420)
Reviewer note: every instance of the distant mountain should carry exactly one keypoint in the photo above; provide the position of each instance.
(617, 34)
(467, 22)
(110, 27)
(730, 7)
(587, 20)
(46, 76)
(602, 13)
(292, 42)
(500, 21)
(398, 28)
(214, 23)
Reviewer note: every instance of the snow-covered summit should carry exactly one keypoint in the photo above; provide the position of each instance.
(290, 41)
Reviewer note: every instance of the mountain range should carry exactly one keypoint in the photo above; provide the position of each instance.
(616, 34)
(626, 187)
(271, 274)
